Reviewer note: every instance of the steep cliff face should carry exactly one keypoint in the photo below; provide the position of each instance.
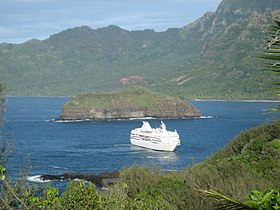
(133, 102)
(228, 43)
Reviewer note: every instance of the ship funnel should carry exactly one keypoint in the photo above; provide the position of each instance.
(162, 126)
(146, 126)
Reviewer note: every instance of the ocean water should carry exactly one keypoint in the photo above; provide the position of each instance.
(103, 146)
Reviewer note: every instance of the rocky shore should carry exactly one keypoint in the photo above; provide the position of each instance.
(99, 180)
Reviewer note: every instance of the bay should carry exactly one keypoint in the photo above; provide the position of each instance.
(103, 146)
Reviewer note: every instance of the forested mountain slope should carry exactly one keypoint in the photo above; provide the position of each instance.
(214, 57)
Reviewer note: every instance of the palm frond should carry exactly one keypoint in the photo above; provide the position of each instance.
(224, 202)
(272, 54)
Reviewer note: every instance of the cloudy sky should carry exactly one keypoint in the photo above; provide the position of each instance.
(21, 20)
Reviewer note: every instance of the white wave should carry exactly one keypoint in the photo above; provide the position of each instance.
(131, 119)
(255, 101)
(70, 121)
(77, 180)
(142, 118)
(37, 178)
(58, 167)
(206, 117)
(121, 145)
(170, 170)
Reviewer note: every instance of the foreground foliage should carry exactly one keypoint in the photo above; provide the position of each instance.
(270, 199)
(243, 170)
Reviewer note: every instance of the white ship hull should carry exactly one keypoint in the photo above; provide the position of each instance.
(154, 145)
(155, 139)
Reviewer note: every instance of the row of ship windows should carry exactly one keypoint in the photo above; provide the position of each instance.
(144, 138)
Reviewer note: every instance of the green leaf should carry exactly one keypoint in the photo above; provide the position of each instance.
(2, 177)
(2, 172)
(225, 202)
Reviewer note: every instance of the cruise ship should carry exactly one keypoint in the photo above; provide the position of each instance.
(155, 138)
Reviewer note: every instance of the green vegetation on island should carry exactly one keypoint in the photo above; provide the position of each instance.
(131, 102)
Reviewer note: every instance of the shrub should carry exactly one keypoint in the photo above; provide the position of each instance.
(80, 195)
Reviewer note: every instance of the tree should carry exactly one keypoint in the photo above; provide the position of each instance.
(81, 195)
(5, 146)
(8, 196)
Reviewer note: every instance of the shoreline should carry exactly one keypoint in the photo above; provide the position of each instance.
(38, 96)
(125, 119)
(186, 99)
(236, 100)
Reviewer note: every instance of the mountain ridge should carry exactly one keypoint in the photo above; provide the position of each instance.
(215, 57)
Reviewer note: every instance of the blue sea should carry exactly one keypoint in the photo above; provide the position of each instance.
(103, 146)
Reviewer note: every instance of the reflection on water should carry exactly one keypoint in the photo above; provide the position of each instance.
(156, 156)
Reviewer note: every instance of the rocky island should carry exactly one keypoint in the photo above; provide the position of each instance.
(129, 103)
